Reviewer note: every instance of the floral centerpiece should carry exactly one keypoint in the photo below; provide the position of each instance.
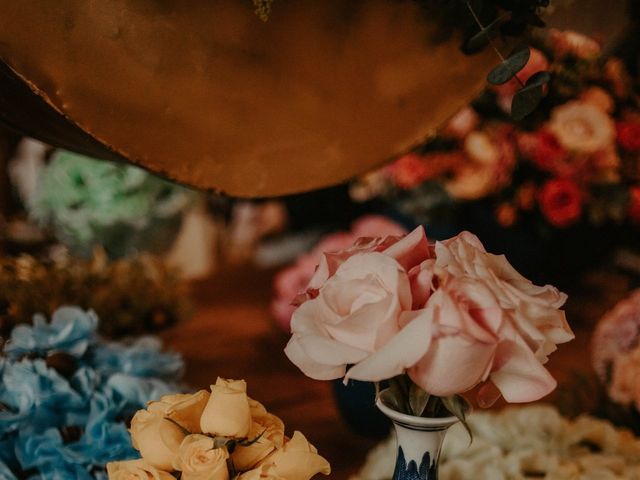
(132, 296)
(219, 434)
(434, 321)
(574, 159)
(91, 203)
(66, 396)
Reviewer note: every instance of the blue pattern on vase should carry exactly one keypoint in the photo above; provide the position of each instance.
(428, 470)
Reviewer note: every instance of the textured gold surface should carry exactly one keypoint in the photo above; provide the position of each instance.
(206, 93)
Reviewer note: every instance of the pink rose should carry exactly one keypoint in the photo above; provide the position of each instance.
(625, 379)
(293, 280)
(534, 310)
(355, 312)
(460, 339)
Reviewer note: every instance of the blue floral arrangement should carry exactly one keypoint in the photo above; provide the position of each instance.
(66, 396)
(90, 202)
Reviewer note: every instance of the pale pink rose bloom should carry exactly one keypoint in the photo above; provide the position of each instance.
(409, 251)
(293, 280)
(568, 42)
(582, 127)
(616, 335)
(534, 310)
(462, 338)
(462, 123)
(625, 379)
(355, 312)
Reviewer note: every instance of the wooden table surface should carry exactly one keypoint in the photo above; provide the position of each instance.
(232, 335)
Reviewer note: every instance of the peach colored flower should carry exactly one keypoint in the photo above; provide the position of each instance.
(582, 127)
(198, 459)
(156, 438)
(462, 123)
(298, 460)
(568, 42)
(136, 470)
(625, 380)
(227, 413)
(598, 97)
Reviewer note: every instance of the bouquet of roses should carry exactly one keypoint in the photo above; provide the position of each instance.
(218, 435)
(576, 158)
(433, 320)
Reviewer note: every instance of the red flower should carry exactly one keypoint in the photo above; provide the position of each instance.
(560, 201)
(634, 204)
(409, 171)
(545, 152)
(629, 135)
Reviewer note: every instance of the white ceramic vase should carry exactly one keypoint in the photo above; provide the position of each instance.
(419, 441)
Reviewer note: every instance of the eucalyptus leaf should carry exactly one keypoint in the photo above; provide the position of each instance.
(418, 399)
(459, 407)
(539, 78)
(510, 67)
(481, 39)
(526, 100)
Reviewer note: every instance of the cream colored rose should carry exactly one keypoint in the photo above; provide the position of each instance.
(298, 460)
(186, 409)
(582, 127)
(136, 470)
(156, 438)
(197, 459)
(479, 147)
(266, 471)
(269, 430)
(227, 413)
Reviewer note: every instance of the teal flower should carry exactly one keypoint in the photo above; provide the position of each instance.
(91, 202)
(70, 331)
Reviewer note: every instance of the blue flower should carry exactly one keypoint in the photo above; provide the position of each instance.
(137, 392)
(142, 358)
(35, 395)
(5, 472)
(71, 330)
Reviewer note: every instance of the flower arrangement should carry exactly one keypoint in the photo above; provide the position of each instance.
(616, 360)
(526, 442)
(574, 159)
(434, 321)
(66, 396)
(218, 435)
(132, 296)
(90, 202)
(288, 282)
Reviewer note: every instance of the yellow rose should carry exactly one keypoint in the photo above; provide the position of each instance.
(135, 470)
(263, 472)
(227, 412)
(156, 438)
(198, 459)
(186, 410)
(298, 460)
(269, 429)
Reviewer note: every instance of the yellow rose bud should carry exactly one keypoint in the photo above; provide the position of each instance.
(136, 470)
(227, 412)
(186, 410)
(156, 438)
(263, 472)
(298, 460)
(269, 430)
(198, 459)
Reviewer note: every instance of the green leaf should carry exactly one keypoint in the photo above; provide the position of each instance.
(246, 442)
(539, 79)
(526, 100)
(418, 399)
(481, 39)
(510, 67)
(459, 407)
